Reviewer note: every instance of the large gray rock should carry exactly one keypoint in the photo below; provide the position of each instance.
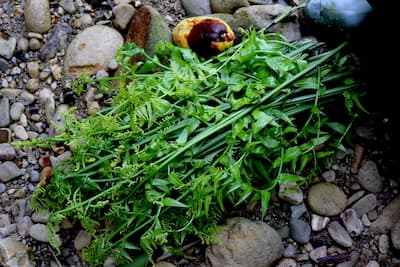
(245, 243)
(92, 50)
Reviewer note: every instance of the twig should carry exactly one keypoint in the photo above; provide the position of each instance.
(335, 258)
(55, 257)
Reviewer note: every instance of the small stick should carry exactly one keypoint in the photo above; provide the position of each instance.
(334, 258)
(55, 257)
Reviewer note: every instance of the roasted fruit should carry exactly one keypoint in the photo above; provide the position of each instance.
(207, 36)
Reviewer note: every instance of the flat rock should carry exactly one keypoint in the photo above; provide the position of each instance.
(92, 50)
(245, 243)
(339, 234)
(327, 199)
(369, 177)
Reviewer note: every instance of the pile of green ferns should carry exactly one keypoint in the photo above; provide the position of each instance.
(185, 140)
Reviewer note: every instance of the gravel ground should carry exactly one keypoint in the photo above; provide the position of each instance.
(375, 137)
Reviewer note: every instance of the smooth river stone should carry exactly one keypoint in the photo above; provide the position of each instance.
(327, 199)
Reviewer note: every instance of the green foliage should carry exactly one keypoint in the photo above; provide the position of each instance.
(185, 139)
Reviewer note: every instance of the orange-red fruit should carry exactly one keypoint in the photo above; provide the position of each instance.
(207, 36)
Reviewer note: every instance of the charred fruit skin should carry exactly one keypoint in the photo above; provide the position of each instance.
(207, 36)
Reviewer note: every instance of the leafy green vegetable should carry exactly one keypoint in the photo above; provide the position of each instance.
(185, 140)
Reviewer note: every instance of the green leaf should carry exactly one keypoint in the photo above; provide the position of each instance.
(284, 178)
(261, 120)
(170, 202)
(265, 197)
(292, 153)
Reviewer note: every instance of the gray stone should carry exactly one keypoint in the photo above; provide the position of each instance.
(291, 192)
(245, 243)
(287, 263)
(395, 235)
(318, 253)
(82, 239)
(369, 177)
(16, 110)
(227, 6)
(8, 92)
(91, 50)
(298, 210)
(11, 249)
(195, 8)
(339, 234)
(7, 152)
(326, 199)
(352, 222)
(123, 14)
(7, 45)
(300, 230)
(37, 15)
(40, 232)
(8, 171)
(383, 243)
(258, 16)
(329, 176)
(59, 39)
(8, 230)
(365, 204)
(4, 112)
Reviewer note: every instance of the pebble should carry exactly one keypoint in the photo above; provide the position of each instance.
(298, 210)
(7, 152)
(300, 230)
(369, 177)
(24, 225)
(319, 223)
(291, 192)
(20, 133)
(16, 110)
(318, 253)
(365, 204)
(395, 235)
(40, 232)
(7, 45)
(8, 171)
(351, 222)
(339, 234)
(327, 199)
(82, 239)
(37, 15)
(4, 111)
(383, 243)
(329, 176)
